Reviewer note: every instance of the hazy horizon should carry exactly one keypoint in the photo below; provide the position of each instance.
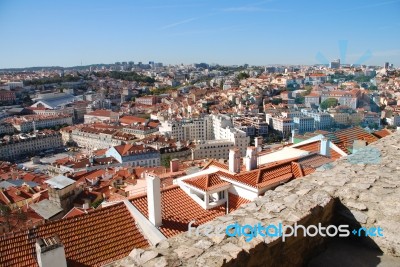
(64, 34)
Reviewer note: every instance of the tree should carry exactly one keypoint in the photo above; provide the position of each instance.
(243, 75)
(328, 103)
(166, 161)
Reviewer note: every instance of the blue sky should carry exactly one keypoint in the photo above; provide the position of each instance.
(64, 33)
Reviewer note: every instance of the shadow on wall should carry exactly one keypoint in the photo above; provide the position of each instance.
(318, 251)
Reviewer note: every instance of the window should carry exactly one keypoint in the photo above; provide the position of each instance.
(221, 195)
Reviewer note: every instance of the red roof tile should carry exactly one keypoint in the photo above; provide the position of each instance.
(314, 147)
(206, 182)
(179, 209)
(93, 239)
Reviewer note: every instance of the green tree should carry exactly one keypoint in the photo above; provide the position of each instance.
(166, 161)
(328, 103)
(243, 75)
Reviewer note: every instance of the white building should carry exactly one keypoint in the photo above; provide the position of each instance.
(188, 129)
(304, 124)
(212, 149)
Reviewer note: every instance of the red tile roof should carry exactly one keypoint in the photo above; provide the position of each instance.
(179, 209)
(207, 182)
(93, 239)
(382, 133)
(315, 147)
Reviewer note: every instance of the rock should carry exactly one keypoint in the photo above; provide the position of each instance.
(203, 244)
(275, 207)
(148, 255)
(225, 218)
(302, 192)
(163, 244)
(186, 252)
(135, 254)
(232, 249)
(158, 262)
(291, 198)
(359, 216)
(356, 205)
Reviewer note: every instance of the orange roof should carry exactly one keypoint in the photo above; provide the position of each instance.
(315, 147)
(382, 133)
(102, 113)
(131, 119)
(129, 148)
(345, 138)
(206, 182)
(179, 209)
(93, 239)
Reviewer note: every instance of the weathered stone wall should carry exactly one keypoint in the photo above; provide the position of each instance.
(360, 190)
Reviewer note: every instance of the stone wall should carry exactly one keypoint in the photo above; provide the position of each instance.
(360, 190)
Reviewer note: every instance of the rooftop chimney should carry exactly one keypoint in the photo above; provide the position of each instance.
(234, 160)
(154, 198)
(251, 158)
(50, 252)
(324, 149)
(174, 165)
(258, 141)
(294, 132)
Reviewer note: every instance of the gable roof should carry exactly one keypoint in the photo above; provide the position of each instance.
(93, 239)
(179, 209)
(207, 182)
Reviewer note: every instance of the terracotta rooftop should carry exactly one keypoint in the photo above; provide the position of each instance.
(179, 209)
(382, 133)
(315, 147)
(207, 182)
(126, 149)
(93, 239)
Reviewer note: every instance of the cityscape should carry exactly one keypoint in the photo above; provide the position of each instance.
(144, 162)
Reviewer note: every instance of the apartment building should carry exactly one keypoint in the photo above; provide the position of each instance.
(95, 136)
(188, 129)
(322, 121)
(303, 124)
(6, 128)
(282, 125)
(212, 149)
(252, 125)
(147, 100)
(101, 115)
(7, 97)
(345, 98)
(28, 144)
(135, 155)
(312, 99)
(29, 123)
(394, 120)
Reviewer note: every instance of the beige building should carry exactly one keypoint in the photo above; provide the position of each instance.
(27, 144)
(212, 149)
(29, 123)
(93, 137)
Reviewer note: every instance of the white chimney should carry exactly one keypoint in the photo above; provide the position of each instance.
(324, 149)
(234, 160)
(154, 199)
(251, 158)
(50, 252)
(294, 132)
(258, 141)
